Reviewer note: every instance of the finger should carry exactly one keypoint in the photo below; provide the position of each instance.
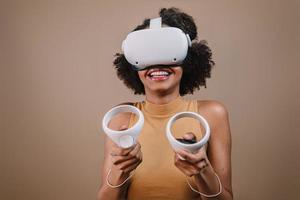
(119, 159)
(190, 157)
(189, 136)
(119, 151)
(132, 151)
(202, 164)
(132, 167)
(187, 168)
(137, 159)
(128, 163)
(184, 163)
(123, 128)
(132, 154)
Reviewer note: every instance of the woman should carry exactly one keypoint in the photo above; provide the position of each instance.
(151, 169)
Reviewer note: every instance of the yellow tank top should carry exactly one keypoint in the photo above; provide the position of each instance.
(157, 177)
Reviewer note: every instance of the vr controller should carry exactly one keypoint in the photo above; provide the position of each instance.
(128, 137)
(124, 138)
(156, 46)
(191, 146)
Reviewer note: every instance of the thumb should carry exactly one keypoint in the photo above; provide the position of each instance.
(123, 127)
(190, 136)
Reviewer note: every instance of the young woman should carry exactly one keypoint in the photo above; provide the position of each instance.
(158, 172)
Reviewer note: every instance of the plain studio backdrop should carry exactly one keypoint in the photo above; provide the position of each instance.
(57, 81)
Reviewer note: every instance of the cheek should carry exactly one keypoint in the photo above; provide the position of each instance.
(178, 72)
(141, 75)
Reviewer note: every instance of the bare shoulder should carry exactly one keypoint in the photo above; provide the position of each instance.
(214, 111)
(212, 106)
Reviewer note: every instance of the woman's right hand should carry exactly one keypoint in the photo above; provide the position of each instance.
(124, 162)
(126, 159)
(119, 163)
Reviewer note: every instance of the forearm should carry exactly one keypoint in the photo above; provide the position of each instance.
(208, 183)
(107, 192)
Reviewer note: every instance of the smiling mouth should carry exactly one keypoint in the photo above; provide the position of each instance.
(159, 73)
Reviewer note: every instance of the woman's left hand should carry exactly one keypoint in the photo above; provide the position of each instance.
(191, 163)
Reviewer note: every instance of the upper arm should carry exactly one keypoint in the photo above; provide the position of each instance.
(219, 146)
(122, 120)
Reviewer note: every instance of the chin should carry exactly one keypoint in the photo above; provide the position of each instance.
(163, 89)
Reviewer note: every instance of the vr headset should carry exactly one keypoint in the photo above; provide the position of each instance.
(156, 46)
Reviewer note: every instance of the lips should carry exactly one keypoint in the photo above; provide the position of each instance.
(159, 73)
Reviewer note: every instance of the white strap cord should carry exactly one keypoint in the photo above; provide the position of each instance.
(208, 195)
(116, 186)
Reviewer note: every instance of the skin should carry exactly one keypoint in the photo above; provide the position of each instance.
(202, 165)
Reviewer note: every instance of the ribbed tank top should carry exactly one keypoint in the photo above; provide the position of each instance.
(157, 177)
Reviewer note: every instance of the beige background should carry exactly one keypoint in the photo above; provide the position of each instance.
(57, 80)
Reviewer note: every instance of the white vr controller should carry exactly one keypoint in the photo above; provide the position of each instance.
(123, 138)
(156, 46)
(176, 145)
(127, 138)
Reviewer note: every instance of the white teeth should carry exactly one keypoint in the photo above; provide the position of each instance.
(159, 73)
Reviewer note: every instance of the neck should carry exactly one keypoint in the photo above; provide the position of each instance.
(161, 98)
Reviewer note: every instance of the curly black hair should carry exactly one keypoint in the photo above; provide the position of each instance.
(196, 66)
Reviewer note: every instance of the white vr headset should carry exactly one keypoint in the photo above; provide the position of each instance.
(156, 46)
(128, 137)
